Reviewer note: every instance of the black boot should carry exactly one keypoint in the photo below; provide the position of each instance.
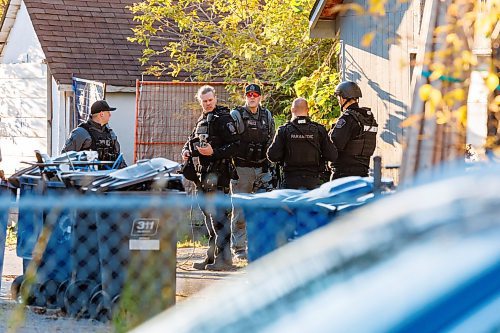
(210, 258)
(201, 265)
(223, 261)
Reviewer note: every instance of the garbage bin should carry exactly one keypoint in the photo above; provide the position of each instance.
(120, 247)
(270, 223)
(6, 196)
(285, 215)
(54, 266)
(137, 251)
(320, 206)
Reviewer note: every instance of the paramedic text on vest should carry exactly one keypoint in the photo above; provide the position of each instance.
(302, 147)
(354, 134)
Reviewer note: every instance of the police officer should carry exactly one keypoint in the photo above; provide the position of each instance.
(214, 140)
(302, 147)
(255, 125)
(95, 134)
(354, 133)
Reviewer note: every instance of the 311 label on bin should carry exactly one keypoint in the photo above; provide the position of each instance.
(143, 235)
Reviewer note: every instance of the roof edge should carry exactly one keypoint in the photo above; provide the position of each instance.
(109, 88)
(7, 22)
(316, 13)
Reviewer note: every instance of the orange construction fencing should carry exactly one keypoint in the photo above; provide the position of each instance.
(166, 113)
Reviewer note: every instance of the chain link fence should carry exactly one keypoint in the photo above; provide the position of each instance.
(112, 256)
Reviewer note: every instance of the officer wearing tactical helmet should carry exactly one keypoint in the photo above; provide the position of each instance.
(214, 140)
(302, 147)
(354, 133)
(95, 134)
(255, 125)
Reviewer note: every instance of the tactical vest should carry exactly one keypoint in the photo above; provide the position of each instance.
(302, 146)
(252, 150)
(206, 127)
(104, 142)
(364, 143)
(215, 174)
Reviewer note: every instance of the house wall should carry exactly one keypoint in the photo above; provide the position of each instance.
(23, 95)
(23, 116)
(382, 69)
(123, 122)
(26, 123)
(22, 45)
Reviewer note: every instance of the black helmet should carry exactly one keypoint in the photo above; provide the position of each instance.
(348, 90)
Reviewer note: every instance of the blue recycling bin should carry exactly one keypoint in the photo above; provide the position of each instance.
(273, 219)
(55, 265)
(269, 223)
(6, 195)
(320, 206)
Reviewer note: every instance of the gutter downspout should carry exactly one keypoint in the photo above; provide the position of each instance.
(50, 111)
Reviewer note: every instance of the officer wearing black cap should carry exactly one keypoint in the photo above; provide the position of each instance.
(255, 125)
(354, 133)
(95, 134)
(302, 146)
(214, 141)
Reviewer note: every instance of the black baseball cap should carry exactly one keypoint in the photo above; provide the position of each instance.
(252, 87)
(99, 106)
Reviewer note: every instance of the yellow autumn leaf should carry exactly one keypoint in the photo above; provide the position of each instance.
(425, 92)
(492, 81)
(469, 58)
(437, 71)
(430, 108)
(377, 7)
(367, 39)
(435, 97)
(445, 28)
(451, 38)
(461, 115)
(436, 74)
(441, 118)
(459, 94)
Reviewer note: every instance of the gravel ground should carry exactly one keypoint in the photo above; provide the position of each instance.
(189, 282)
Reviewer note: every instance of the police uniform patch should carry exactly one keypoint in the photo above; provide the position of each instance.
(341, 122)
(231, 128)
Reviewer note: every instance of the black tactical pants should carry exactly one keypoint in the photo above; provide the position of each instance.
(218, 223)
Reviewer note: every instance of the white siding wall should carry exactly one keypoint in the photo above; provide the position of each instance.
(382, 70)
(23, 116)
(123, 122)
(23, 95)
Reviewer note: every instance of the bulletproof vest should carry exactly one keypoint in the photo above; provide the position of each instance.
(207, 129)
(302, 145)
(364, 143)
(214, 173)
(104, 142)
(256, 135)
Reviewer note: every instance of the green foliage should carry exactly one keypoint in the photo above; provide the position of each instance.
(239, 41)
(319, 88)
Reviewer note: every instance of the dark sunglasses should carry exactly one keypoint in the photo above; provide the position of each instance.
(253, 94)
